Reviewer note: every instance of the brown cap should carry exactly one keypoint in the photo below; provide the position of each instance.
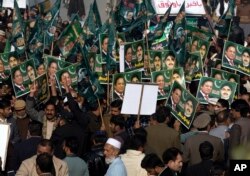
(202, 120)
(19, 105)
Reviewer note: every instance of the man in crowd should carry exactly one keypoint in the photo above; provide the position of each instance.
(28, 166)
(111, 151)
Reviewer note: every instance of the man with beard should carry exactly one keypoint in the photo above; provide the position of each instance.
(46, 116)
(111, 151)
(22, 119)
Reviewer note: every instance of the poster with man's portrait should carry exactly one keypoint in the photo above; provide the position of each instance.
(178, 76)
(101, 70)
(193, 67)
(4, 67)
(119, 84)
(156, 63)
(228, 76)
(67, 77)
(54, 64)
(120, 40)
(169, 60)
(133, 55)
(133, 77)
(103, 45)
(21, 79)
(163, 80)
(43, 88)
(212, 88)
(236, 57)
(182, 104)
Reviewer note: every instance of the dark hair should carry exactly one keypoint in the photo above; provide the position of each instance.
(157, 75)
(99, 138)
(118, 120)
(117, 104)
(222, 116)
(35, 128)
(135, 76)
(118, 77)
(127, 47)
(230, 45)
(162, 113)
(72, 143)
(224, 103)
(208, 80)
(170, 154)
(65, 71)
(45, 163)
(175, 88)
(246, 51)
(241, 106)
(226, 84)
(150, 161)
(46, 143)
(157, 55)
(104, 37)
(29, 64)
(206, 150)
(14, 72)
(52, 62)
(50, 102)
(135, 142)
(4, 103)
(170, 54)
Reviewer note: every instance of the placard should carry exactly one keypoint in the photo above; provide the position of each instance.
(10, 3)
(4, 140)
(132, 97)
(192, 7)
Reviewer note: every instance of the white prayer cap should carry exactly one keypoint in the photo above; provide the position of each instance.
(114, 143)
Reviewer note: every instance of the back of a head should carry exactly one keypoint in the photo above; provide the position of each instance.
(222, 116)
(170, 154)
(35, 128)
(151, 161)
(116, 104)
(224, 103)
(44, 161)
(241, 106)
(4, 103)
(46, 143)
(118, 120)
(72, 144)
(162, 113)
(135, 142)
(206, 150)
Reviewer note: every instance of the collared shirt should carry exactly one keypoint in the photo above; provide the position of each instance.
(116, 168)
(21, 87)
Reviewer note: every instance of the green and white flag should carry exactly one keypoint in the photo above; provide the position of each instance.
(18, 36)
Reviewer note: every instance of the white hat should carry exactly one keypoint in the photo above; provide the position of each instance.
(114, 143)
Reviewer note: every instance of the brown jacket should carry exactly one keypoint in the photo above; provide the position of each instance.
(28, 167)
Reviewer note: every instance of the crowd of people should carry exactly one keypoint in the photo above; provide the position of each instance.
(68, 135)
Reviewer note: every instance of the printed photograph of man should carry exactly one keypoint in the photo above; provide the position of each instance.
(229, 55)
(128, 57)
(157, 62)
(245, 57)
(160, 80)
(225, 92)
(17, 79)
(205, 90)
(119, 87)
(30, 71)
(175, 98)
(139, 55)
(13, 61)
(188, 108)
(169, 61)
(2, 71)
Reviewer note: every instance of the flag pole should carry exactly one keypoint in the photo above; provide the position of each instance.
(137, 123)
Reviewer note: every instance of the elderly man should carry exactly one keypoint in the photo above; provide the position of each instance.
(111, 151)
